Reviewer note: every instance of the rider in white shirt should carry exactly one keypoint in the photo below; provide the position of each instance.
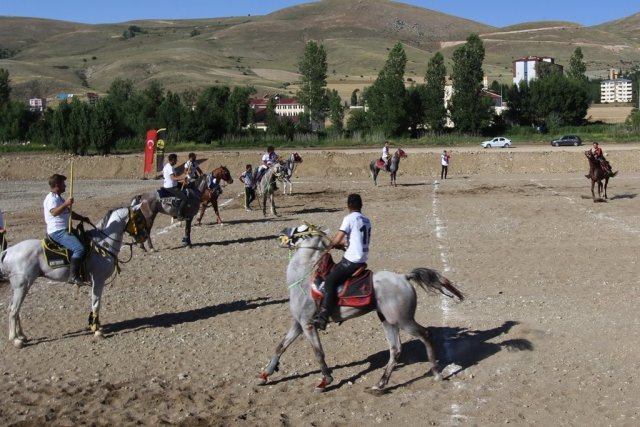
(386, 158)
(171, 180)
(56, 216)
(356, 228)
(192, 167)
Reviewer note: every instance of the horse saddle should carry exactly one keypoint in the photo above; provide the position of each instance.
(382, 165)
(168, 199)
(56, 255)
(356, 291)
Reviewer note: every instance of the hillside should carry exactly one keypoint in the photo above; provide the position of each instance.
(263, 51)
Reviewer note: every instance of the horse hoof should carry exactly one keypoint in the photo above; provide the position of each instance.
(18, 343)
(98, 334)
(263, 378)
(377, 391)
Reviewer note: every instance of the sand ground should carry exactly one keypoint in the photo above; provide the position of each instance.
(548, 334)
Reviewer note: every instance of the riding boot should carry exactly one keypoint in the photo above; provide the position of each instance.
(74, 272)
(321, 318)
(183, 204)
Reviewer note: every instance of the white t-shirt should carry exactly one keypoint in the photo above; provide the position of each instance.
(55, 223)
(358, 230)
(192, 167)
(167, 171)
(385, 153)
(444, 159)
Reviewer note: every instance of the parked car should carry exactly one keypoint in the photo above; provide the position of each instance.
(567, 140)
(498, 141)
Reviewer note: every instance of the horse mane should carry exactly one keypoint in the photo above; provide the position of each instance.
(105, 219)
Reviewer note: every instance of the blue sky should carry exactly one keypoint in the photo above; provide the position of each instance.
(499, 13)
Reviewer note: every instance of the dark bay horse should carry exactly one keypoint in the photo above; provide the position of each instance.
(395, 302)
(597, 175)
(212, 191)
(377, 165)
(154, 202)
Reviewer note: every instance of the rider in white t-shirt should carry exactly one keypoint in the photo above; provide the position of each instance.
(171, 180)
(192, 167)
(356, 228)
(386, 158)
(56, 216)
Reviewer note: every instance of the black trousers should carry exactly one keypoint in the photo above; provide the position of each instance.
(341, 272)
(249, 196)
(443, 172)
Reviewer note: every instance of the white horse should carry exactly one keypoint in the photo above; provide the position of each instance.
(266, 188)
(25, 262)
(395, 302)
(288, 167)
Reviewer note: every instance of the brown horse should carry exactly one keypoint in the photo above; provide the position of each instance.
(598, 174)
(212, 192)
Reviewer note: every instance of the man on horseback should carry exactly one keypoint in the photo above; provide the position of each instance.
(356, 228)
(599, 156)
(386, 158)
(56, 216)
(171, 180)
(268, 160)
(192, 168)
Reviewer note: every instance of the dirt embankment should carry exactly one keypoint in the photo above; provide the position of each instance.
(334, 163)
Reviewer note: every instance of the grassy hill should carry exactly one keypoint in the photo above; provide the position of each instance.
(263, 51)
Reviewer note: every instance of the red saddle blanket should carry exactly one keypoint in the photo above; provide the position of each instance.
(356, 291)
(381, 164)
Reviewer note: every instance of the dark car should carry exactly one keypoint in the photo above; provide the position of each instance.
(567, 140)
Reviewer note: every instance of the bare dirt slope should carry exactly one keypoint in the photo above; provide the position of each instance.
(547, 336)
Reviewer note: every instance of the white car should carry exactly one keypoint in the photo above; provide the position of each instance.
(498, 141)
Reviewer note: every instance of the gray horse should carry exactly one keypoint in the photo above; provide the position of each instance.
(154, 202)
(395, 303)
(25, 262)
(377, 165)
(288, 167)
(266, 188)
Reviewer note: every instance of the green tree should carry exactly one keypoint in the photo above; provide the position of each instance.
(386, 98)
(238, 108)
(415, 108)
(102, 132)
(210, 113)
(60, 126)
(469, 110)
(564, 99)
(435, 80)
(5, 87)
(577, 67)
(354, 97)
(313, 71)
(78, 127)
(336, 112)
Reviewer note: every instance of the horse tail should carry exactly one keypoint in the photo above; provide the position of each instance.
(431, 280)
(613, 174)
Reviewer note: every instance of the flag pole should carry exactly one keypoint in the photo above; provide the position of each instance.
(71, 195)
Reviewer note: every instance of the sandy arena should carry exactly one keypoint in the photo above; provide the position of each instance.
(548, 335)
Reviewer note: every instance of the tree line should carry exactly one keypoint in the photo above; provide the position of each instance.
(390, 107)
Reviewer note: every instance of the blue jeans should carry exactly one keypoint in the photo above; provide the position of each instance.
(69, 241)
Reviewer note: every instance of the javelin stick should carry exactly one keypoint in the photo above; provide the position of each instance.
(71, 196)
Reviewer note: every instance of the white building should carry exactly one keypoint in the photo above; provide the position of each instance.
(615, 90)
(37, 104)
(525, 68)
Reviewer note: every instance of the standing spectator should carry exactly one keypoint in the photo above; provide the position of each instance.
(249, 187)
(444, 161)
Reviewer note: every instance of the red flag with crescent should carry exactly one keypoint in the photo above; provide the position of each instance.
(149, 148)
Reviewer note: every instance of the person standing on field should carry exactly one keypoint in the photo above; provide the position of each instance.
(444, 161)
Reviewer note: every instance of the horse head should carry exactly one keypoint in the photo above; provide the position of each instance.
(300, 236)
(295, 157)
(222, 173)
(400, 152)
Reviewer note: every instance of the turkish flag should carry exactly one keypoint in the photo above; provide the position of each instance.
(149, 147)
